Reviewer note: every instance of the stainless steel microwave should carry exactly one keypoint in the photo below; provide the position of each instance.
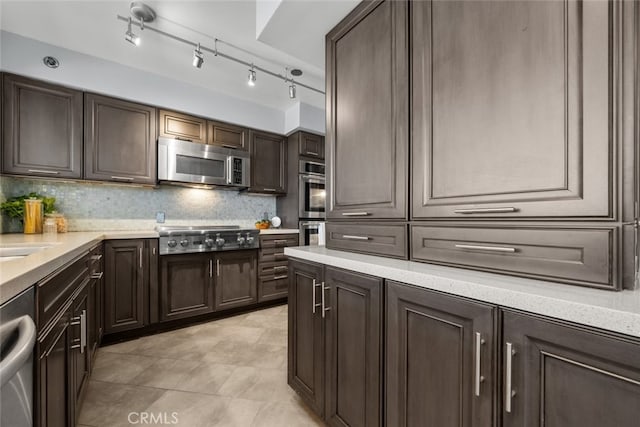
(193, 163)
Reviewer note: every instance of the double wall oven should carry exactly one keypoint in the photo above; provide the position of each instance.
(311, 200)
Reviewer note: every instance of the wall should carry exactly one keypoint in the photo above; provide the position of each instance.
(90, 206)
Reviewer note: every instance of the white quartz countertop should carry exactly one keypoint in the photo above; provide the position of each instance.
(608, 310)
(19, 274)
(280, 231)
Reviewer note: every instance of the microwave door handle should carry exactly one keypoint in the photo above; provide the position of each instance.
(229, 172)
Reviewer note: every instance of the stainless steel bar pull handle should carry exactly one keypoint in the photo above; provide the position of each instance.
(324, 306)
(352, 237)
(312, 153)
(313, 296)
(509, 393)
(478, 365)
(218, 267)
(97, 275)
(83, 331)
(44, 171)
(355, 213)
(504, 249)
(122, 178)
(485, 210)
(210, 268)
(140, 252)
(269, 189)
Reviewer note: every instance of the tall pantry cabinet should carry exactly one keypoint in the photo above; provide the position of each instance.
(503, 132)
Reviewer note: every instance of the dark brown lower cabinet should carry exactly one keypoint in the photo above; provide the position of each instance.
(335, 335)
(440, 359)
(306, 344)
(236, 279)
(186, 285)
(54, 378)
(80, 348)
(130, 267)
(566, 376)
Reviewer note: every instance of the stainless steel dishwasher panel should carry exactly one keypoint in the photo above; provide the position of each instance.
(17, 340)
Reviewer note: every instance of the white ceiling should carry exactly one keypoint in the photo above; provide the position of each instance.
(293, 37)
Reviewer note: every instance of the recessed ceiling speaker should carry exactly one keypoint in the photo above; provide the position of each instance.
(51, 62)
(297, 72)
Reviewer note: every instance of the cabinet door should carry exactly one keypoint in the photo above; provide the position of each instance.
(367, 113)
(236, 278)
(268, 163)
(42, 130)
(124, 292)
(54, 398)
(80, 348)
(228, 136)
(120, 140)
(186, 285)
(512, 107)
(310, 145)
(440, 359)
(181, 126)
(354, 350)
(306, 345)
(565, 376)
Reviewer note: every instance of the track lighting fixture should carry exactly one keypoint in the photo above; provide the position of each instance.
(198, 58)
(252, 76)
(143, 14)
(130, 37)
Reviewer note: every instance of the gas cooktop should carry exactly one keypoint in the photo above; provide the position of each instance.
(188, 239)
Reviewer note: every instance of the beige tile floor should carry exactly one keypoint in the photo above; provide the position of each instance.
(228, 372)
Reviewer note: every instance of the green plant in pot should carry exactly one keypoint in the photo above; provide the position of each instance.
(14, 206)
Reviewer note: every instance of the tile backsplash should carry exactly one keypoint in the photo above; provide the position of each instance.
(96, 206)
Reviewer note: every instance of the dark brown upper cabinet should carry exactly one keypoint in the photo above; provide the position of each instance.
(42, 129)
(228, 135)
(268, 163)
(367, 113)
(310, 145)
(181, 126)
(512, 105)
(440, 359)
(120, 140)
(561, 375)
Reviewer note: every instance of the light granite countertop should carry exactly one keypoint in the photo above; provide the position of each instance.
(280, 231)
(608, 310)
(19, 274)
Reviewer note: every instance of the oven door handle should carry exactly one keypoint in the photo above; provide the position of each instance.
(310, 225)
(313, 179)
(22, 349)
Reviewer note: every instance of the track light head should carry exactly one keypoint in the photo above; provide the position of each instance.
(252, 77)
(292, 91)
(198, 58)
(130, 37)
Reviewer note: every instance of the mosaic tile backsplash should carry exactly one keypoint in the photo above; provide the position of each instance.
(90, 206)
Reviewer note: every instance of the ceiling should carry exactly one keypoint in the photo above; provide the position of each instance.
(289, 33)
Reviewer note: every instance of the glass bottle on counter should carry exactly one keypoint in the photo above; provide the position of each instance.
(50, 225)
(33, 216)
(61, 222)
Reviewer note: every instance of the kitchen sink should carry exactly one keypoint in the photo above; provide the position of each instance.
(15, 251)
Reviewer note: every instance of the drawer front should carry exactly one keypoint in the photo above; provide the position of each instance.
(272, 255)
(269, 289)
(53, 292)
(382, 239)
(278, 241)
(272, 269)
(583, 256)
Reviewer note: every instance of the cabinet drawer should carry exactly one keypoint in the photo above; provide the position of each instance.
(388, 240)
(54, 291)
(278, 241)
(272, 255)
(269, 289)
(583, 256)
(270, 269)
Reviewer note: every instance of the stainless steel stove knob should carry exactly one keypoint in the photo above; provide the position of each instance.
(219, 241)
(172, 243)
(240, 240)
(249, 239)
(184, 243)
(208, 241)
